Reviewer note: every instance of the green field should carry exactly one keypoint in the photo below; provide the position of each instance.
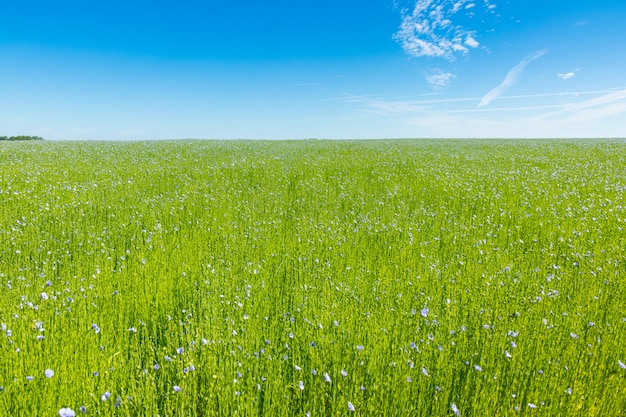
(321, 278)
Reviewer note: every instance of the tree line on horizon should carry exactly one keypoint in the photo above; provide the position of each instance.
(20, 137)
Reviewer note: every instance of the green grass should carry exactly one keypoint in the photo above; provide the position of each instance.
(420, 276)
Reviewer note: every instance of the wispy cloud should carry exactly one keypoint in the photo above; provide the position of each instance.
(428, 29)
(511, 78)
(12, 120)
(566, 114)
(80, 130)
(438, 78)
(598, 101)
(400, 105)
(566, 75)
(609, 104)
(129, 133)
(372, 104)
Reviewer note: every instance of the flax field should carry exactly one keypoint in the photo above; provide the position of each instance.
(313, 278)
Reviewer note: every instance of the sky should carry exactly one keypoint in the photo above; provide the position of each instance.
(340, 69)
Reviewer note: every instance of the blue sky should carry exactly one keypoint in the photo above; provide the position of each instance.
(302, 69)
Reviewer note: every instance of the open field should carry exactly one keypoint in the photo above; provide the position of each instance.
(397, 278)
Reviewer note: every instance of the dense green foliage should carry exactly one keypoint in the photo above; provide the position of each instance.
(396, 278)
(20, 137)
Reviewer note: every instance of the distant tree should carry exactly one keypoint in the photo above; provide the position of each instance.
(20, 137)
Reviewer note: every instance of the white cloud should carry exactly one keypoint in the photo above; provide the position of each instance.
(438, 78)
(456, 7)
(470, 41)
(566, 75)
(429, 30)
(511, 78)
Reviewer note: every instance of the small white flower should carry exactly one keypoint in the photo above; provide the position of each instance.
(67, 412)
(621, 364)
(49, 373)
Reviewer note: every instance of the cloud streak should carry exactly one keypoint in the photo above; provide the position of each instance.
(511, 78)
(385, 107)
(610, 104)
(458, 117)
